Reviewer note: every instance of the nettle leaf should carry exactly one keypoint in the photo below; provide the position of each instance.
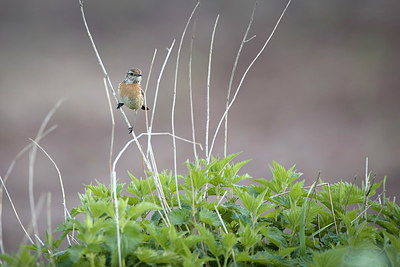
(297, 192)
(141, 188)
(180, 216)
(209, 217)
(329, 258)
(157, 234)
(135, 211)
(249, 236)
(215, 249)
(100, 208)
(265, 258)
(149, 255)
(250, 203)
(275, 236)
(196, 178)
(217, 166)
(229, 240)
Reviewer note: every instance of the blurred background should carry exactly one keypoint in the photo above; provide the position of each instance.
(324, 95)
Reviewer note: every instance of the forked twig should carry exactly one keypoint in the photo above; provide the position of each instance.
(233, 73)
(244, 76)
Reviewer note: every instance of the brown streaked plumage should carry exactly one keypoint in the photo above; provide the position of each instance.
(131, 93)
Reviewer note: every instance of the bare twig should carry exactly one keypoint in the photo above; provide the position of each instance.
(60, 178)
(367, 208)
(233, 73)
(313, 192)
(147, 86)
(150, 128)
(112, 129)
(100, 61)
(191, 91)
(244, 76)
(174, 101)
(15, 211)
(32, 158)
(333, 211)
(208, 85)
(10, 168)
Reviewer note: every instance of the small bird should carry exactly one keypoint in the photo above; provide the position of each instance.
(131, 93)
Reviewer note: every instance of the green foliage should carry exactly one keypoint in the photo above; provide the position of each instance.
(275, 222)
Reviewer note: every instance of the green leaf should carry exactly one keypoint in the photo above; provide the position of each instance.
(149, 255)
(229, 240)
(209, 217)
(329, 258)
(180, 216)
(136, 211)
(249, 237)
(275, 236)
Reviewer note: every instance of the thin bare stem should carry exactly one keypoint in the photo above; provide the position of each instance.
(32, 158)
(233, 73)
(147, 86)
(367, 208)
(226, 231)
(100, 61)
(333, 211)
(10, 168)
(60, 178)
(15, 211)
(112, 128)
(149, 129)
(313, 192)
(208, 85)
(191, 91)
(245, 74)
(174, 101)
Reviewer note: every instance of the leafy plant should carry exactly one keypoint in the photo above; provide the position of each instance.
(278, 222)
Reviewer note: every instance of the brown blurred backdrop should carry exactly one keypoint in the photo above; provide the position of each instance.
(324, 94)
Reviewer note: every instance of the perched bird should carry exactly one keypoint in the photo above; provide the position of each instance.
(131, 93)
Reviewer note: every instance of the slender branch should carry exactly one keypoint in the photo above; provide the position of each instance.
(32, 158)
(100, 61)
(112, 128)
(174, 101)
(60, 178)
(149, 129)
(233, 73)
(10, 168)
(208, 85)
(245, 74)
(147, 86)
(191, 91)
(15, 211)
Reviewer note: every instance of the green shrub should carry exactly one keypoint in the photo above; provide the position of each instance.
(272, 222)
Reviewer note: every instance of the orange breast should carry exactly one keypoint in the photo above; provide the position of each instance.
(131, 95)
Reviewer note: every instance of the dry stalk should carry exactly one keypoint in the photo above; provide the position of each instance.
(244, 76)
(174, 101)
(244, 40)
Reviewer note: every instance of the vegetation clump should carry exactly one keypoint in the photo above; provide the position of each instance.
(221, 222)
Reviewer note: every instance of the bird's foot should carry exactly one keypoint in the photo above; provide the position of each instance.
(130, 130)
(120, 105)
